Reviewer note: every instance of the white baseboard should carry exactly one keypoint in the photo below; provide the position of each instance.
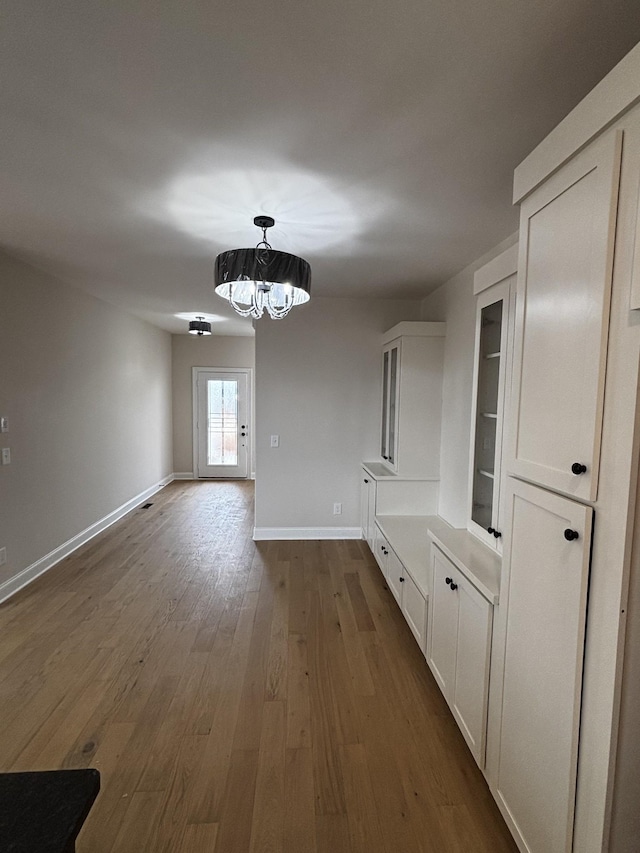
(183, 475)
(14, 584)
(271, 533)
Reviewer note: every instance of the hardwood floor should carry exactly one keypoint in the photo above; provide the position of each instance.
(237, 697)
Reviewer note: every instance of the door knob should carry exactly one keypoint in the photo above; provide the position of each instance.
(578, 468)
(570, 535)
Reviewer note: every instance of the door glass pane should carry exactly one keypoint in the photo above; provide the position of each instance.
(393, 380)
(222, 422)
(385, 393)
(484, 485)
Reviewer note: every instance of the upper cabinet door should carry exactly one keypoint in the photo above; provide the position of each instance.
(567, 231)
(492, 363)
(390, 392)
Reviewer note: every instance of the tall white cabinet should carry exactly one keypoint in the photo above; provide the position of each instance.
(551, 728)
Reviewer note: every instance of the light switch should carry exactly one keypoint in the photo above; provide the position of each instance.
(4, 424)
(275, 441)
(6, 456)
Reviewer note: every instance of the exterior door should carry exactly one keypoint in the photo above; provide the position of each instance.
(222, 423)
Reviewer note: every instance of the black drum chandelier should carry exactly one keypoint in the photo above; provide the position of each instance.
(262, 279)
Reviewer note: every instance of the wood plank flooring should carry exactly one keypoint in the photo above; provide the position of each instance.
(237, 697)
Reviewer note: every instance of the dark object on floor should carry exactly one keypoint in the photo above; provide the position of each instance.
(43, 812)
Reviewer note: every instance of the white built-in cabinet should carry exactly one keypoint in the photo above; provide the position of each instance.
(458, 649)
(495, 285)
(567, 230)
(412, 357)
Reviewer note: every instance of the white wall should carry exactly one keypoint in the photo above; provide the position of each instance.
(318, 375)
(189, 351)
(454, 303)
(87, 390)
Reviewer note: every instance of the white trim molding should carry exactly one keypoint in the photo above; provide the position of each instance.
(502, 266)
(615, 94)
(279, 533)
(14, 584)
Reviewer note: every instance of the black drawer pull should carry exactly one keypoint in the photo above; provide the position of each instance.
(578, 468)
(570, 535)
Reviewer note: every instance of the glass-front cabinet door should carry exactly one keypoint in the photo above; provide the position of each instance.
(493, 341)
(389, 426)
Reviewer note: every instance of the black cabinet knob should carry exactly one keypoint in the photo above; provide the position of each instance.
(366, 481)
(447, 581)
(570, 535)
(497, 534)
(243, 433)
(385, 457)
(490, 530)
(401, 580)
(453, 585)
(578, 468)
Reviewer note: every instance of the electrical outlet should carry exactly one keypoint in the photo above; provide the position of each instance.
(275, 441)
(3, 556)
(6, 456)
(337, 509)
(4, 424)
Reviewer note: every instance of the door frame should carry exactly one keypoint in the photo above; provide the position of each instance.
(195, 371)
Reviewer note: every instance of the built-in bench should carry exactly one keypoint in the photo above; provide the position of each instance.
(411, 536)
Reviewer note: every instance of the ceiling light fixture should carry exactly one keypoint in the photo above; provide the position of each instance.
(199, 326)
(255, 280)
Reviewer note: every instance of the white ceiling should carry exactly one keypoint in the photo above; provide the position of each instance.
(140, 138)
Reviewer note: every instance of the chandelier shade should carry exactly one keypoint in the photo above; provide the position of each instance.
(262, 279)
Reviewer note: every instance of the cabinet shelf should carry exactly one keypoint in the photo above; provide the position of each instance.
(486, 473)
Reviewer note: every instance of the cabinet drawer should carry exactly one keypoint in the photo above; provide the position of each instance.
(414, 607)
(395, 575)
(381, 549)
